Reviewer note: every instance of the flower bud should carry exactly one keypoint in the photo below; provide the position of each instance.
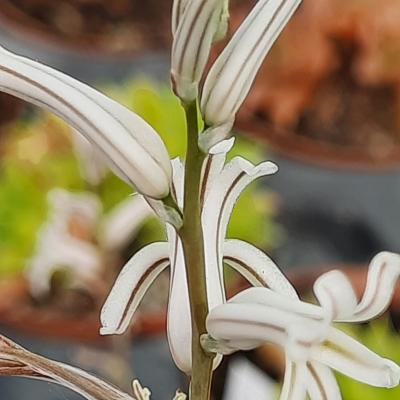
(234, 71)
(195, 32)
(132, 146)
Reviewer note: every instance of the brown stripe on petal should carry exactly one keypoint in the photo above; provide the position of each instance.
(221, 211)
(265, 284)
(248, 269)
(318, 381)
(304, 343)
(255, 47)
(138, 286)
(344, 352)
(196, 63)
(229, 55)
(188, 37)
(204, 181)
(372, 300)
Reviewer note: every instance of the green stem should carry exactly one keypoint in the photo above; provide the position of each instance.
(191, 234)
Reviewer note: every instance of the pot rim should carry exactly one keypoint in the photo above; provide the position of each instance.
(24, 27)
(310, 151)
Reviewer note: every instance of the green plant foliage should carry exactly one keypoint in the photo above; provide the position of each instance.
(38, 156)
(382, 338)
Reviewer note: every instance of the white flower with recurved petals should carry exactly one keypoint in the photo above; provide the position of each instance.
(312, 345)
(221, 185)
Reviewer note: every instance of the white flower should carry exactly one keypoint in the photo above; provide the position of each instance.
(77, 236)
(178, 8)
(131, 145)
(312, 345)
(221, 186)
(58, 247)
(196, 24)
(17, 361)
(234, 71)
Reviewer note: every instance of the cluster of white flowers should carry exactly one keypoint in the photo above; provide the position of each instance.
(270, 312)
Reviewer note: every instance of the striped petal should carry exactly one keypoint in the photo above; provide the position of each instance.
(322, 384)
(131, 285)
(346, 355)
(192, 43)
(223, 194)
(383, 273)
(34, 366)
(131, 145)
(213, 166)
(259, 315)
(256, 267)
(179, 325)
(123, 222)
(294, 383)
(178, 8)
(233, 73)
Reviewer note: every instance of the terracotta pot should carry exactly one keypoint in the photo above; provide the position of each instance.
(326, 94)
(309, 151)
(18, 312)
(114, 34)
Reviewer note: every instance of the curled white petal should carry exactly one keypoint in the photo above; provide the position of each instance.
(353, 359)
(192, 43)
(223, 194)
(335, 294)
(131, 285)
(256, 267)
(383, 273)
(233, 73)
(132, 146)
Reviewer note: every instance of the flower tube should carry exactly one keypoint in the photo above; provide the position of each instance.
(234, 71)
(131, 145)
